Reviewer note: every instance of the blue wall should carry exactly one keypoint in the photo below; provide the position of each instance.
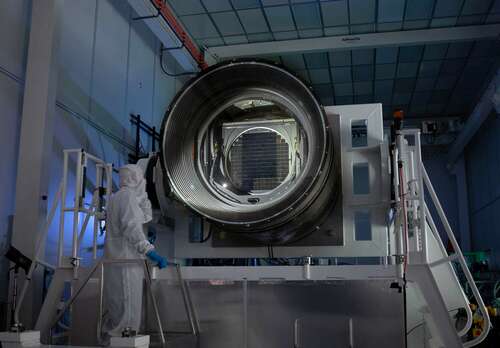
(14, 16)
(108, 68)
(483, 173)
(445, 184)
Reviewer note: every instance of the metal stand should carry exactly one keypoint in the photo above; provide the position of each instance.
(188, 303)
(100, 195)
(100, 265)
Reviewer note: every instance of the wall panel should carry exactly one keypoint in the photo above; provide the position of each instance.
(107, 70)
(483, 175)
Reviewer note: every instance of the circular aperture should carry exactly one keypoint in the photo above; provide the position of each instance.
(246, 145)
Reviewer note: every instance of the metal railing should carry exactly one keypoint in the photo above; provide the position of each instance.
(100, 194)
(415, 180)
(100, 265)
(463, 263)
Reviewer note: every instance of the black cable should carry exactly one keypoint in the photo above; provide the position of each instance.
(165, 70)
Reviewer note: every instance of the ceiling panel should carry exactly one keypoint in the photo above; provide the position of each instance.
(242, 4)
(362, 73)
(420, 9)
(362, 57)
(410, 53)
(217, 5)
(423, 79)
(307, 16)
(390, 10)
(274, 2)
(362, 11)
(228, 23)
(384, 87)
(435, 51)
(280, 18)
(387, 55)
(448, 8)
(200, 26)
(319, 76)
(294, 61)
(407, 69)
(335, 13)
(420, 79)
(316, 60)
(187, 7)
(253, 21)
(474, 7)
(342, 74)
(385, 71)
(290, 19)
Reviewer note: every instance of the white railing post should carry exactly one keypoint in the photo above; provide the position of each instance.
(98, 185)
(62, 210)
(422, 227)
(76, 211)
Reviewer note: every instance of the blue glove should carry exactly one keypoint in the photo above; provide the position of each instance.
(161, 262)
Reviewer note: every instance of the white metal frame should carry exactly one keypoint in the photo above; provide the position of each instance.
(104, 172)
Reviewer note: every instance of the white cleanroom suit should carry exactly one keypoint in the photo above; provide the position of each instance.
(127, 211)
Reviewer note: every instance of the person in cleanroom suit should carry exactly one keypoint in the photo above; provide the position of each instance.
(127, 212)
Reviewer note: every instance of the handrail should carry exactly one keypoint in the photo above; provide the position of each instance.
(461, 260)
(99, 264)
(434, 230)
(38, 251)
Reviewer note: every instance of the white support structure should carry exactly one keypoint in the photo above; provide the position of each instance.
(100, 196)
(35, 143)
(332, 43)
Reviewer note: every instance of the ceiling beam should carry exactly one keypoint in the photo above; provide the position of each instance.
(487, 103)
(331, 43)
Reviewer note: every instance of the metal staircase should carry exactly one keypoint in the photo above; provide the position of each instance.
(433, 287)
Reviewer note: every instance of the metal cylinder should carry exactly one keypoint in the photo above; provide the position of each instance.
(258, 95)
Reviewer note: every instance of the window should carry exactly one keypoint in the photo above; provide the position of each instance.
(359, 133)
(360, 179)
(362, 225)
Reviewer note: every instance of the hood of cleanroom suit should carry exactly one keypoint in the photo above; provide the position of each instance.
(132, 176)
(127, 212)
